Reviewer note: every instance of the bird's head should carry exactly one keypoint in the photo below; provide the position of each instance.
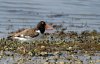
(42, 26)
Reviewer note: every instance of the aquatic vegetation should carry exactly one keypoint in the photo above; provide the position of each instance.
(54, 45)
(79, 42)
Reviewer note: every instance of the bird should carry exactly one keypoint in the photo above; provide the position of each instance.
(30, 33)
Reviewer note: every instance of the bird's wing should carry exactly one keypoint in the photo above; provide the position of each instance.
(26, 32)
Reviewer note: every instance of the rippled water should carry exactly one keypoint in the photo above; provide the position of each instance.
(15, 14)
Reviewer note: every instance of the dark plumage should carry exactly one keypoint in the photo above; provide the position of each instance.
(41, 26)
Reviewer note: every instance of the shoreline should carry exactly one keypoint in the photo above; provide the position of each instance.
(54, 49)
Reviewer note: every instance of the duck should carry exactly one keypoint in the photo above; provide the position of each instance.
(30, 33)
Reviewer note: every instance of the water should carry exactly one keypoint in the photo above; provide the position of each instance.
(20, 59)
(16, 14)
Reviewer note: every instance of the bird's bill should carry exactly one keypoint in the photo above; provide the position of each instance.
(48, 27)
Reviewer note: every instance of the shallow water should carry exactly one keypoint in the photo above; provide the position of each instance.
(15, 14)
(19, 59)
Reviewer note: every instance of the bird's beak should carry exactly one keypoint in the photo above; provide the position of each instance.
(49, 27)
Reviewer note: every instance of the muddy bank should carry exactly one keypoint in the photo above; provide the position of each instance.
(60, 47)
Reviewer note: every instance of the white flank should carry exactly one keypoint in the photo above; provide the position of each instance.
(23, 38)
(37, 31)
